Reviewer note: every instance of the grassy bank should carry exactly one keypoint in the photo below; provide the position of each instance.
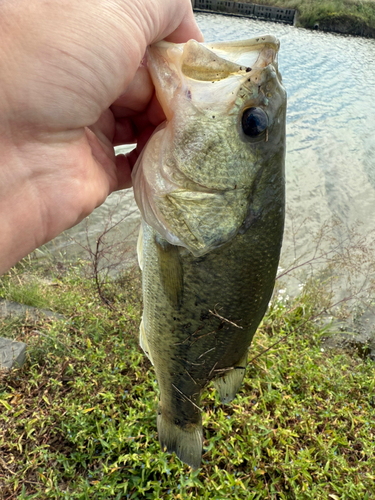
(355, 17)
(78, 421)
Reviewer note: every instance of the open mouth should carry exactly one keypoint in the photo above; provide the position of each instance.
(256, 52)
(194, 64)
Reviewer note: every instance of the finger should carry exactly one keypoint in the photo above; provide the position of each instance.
(104, 128)
(187, 30)
(128, 129)
(115, 169)
(143, 139)
(136, 97)
(124, 171)
(124, 132)
(181, 25)
(125, 162)
(105, 159)
(155, 113)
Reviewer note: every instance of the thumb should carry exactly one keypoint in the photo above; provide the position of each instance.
(186, 30)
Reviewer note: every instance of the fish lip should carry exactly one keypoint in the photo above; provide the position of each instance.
(248, 42)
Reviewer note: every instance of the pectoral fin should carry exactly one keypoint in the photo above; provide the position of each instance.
(143, 341)
(170, 269)
(140, 248)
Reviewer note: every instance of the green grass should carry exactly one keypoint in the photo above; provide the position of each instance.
(352, 16)
(78, 421)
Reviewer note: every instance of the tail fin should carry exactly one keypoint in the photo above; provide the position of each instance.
(187, 444)
(228, 385)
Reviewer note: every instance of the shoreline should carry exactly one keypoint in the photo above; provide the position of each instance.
(355, 19)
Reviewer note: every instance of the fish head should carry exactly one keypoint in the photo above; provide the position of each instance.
(220, 153)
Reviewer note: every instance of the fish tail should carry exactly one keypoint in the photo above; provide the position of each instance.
(187, 444)
(228, 384)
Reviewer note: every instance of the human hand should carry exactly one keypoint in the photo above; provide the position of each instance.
(72, 87)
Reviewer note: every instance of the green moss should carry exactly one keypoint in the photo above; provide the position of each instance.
(78, 421)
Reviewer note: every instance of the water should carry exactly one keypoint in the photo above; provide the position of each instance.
(330, 166)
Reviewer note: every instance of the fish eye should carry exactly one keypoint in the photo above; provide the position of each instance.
(254, 122)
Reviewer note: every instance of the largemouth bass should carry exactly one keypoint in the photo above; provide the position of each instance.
(210, 186)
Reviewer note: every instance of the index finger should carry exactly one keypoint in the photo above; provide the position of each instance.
(136, 97)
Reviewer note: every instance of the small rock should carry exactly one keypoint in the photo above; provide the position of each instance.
(12, 353)
(8, 308)
(363, 344)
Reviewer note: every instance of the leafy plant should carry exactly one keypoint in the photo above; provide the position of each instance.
(78, 421)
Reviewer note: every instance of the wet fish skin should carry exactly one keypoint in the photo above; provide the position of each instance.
(221, 196)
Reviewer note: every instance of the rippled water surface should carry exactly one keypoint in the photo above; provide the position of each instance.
(330, 165)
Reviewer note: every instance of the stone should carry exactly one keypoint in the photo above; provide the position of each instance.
(12, 353)
(8, 308)
(354, 335)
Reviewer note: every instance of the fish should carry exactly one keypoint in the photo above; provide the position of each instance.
(210, 185)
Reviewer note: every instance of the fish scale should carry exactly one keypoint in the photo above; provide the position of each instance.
(213, 224)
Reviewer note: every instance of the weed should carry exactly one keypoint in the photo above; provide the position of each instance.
(345, 16)
(78, 421)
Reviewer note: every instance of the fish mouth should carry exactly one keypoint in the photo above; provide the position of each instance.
(193, 65)
(245, 55)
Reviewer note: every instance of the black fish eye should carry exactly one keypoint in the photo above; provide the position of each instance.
(254, 122)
